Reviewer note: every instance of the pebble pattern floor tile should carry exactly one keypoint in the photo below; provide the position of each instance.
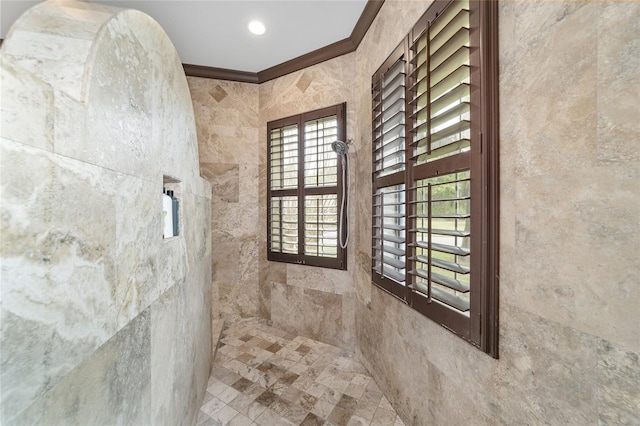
(265, 376)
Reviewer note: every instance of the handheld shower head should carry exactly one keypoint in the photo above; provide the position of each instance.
(340, 147)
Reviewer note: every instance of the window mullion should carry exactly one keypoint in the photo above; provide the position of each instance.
(429, 240)
(428, 78)
(409, 209)
(301, 192)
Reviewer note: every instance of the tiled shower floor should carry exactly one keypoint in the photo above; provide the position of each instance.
(265, 376)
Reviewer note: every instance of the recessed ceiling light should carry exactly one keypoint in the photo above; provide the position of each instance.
(256, 27)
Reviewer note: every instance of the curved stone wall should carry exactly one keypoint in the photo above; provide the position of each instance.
(103, 321)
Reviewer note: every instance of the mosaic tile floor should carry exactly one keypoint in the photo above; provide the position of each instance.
(265, 376)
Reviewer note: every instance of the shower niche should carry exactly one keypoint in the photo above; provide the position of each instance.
(171, 209)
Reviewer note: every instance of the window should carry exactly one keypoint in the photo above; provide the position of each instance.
(305, 188)
(435, 173)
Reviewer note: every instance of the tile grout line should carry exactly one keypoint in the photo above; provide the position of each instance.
(263, 376)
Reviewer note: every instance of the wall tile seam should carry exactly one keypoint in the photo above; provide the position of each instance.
(562, 325)
(18, 59)
(90, 55)
(87, 358)
(298, 285)
(55, 154)
(61, 159)
(118, 174)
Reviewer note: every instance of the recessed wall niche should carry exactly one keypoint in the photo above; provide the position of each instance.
(170, 207)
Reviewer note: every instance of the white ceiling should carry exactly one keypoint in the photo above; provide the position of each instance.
(214, 32)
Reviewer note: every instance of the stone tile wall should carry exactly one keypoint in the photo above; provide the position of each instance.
(103, 322)
(570, 234)
(90, 298)
(227, 124)
(231, 121)
(314, 302)
(570, 216)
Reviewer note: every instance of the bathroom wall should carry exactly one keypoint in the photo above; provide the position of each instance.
(231, 121)
(227, 125)
(570, 232)
(570, 213)
(103, 321)
(311, 301)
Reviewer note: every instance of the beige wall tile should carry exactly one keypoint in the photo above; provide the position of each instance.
(569, 245)
(227, 116)
(618, 84)
(310, 313)
(224, 180)
(618, 391)
(569, 221)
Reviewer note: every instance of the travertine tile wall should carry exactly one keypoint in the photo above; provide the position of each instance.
(570, 234)
(313, 302)
(570, 224)
(103, 322)
(231, 121)
(227, 124)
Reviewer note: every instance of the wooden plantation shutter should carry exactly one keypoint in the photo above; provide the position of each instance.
(389, 168)
(283, 187)
(320, 187)
(449, 185)
(442, 241)
(305, 186)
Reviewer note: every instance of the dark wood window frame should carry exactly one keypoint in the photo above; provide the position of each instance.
(302, 190)
(412, 235)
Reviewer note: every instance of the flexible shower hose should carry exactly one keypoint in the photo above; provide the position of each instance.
(344, 204)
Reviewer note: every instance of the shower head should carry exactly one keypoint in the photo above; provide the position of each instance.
(340, 147)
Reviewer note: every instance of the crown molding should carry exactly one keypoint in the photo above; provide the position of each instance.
(339, 48)
(366, 19)
(220, 73)
(331, 51)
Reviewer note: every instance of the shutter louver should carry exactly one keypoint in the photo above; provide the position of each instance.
(321, 225)
(320, 162)
(389, 166)
(388, 122)
(284, 158)
(441, 94)
(283, 176)
(320, 170)
(441, 127)
(284, 225)
(389, 233)
(441, 264)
